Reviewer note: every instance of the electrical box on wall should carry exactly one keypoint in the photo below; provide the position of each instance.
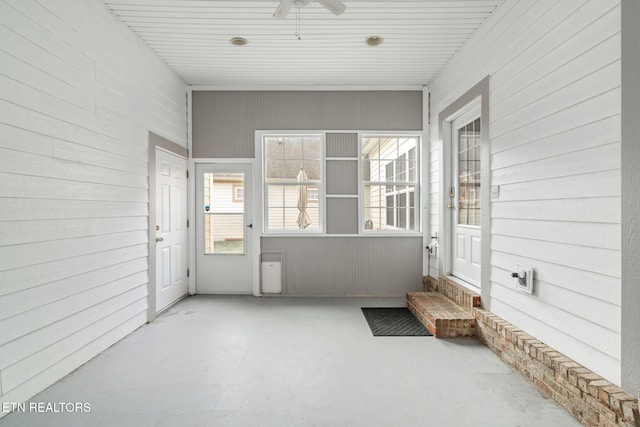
(524, 275)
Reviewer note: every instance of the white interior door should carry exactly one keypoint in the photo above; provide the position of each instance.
(171, 228)
(224, 226)
(465, 196)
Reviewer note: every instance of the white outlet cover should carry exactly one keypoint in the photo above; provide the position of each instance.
(495, 191)
(528, 286)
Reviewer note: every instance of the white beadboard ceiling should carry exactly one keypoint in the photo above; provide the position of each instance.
(192, 36)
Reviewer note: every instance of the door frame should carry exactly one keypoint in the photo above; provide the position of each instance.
(477, 94)
(472, 109)
(158, 142)
(192, 220)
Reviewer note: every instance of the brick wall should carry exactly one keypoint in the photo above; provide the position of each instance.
(456, 293)
(587, 396)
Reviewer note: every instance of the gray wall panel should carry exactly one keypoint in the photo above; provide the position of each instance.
(380, 109)
(219, 128)
(349, 266)
(342, 145)
(340, 110)
(224, 125)
(342, 216)
(275, 256)
(224, 122)
(342, 177)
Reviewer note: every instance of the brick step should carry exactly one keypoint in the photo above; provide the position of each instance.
(443, 317)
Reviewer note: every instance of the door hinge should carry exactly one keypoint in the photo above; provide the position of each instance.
(188, 272)
(187, 173)
(187, 223)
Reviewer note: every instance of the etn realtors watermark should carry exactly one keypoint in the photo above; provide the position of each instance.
(46, 407)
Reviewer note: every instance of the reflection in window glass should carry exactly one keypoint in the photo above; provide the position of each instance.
(412, 165)
(469, 183)
(313, 193)
(390, 211)
(223, 213)
(238, 195)
(292, 179)
(401, 168)
(390, 178)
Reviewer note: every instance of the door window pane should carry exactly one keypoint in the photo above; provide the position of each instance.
(469, 183)
(223, 213)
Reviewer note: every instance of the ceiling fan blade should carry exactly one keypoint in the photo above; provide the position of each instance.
(283, 8)
(334, 6)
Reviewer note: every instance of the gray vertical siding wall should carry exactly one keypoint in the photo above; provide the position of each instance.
(348, 266)
(224, 125)
(342, 177)
(224, 122)
(342, 145)
(342, 216)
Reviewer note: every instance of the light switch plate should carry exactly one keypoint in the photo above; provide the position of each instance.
(495, 191)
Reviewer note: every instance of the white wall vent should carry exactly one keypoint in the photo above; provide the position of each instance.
(271, 277)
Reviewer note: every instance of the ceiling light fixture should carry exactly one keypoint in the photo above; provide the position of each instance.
(373, 40)
(238, 41)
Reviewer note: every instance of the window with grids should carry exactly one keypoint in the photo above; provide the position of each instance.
(469, 180)
(238, 193)
(292, 181)
(390, 182)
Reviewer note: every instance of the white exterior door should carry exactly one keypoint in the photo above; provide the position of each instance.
(171, 228)
(465, 195)
(224, 227)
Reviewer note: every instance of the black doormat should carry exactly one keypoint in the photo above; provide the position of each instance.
(393, 322)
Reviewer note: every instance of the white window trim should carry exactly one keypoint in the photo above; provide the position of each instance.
(418, 185)
(260, 215)
(261, 183)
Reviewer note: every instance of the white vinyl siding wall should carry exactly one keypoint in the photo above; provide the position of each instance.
(555, 153)
(79, 94)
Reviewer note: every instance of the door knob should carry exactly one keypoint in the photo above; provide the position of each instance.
(159, 239)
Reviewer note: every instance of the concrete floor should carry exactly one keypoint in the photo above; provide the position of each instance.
(244, 361)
